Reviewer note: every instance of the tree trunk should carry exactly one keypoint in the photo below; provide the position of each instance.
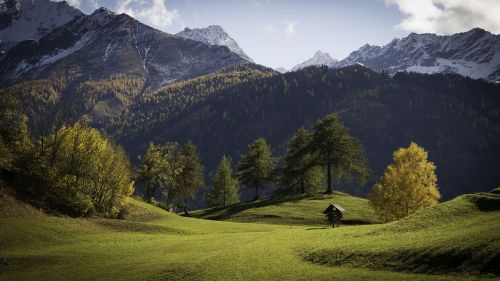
(302, 185)
(186, 206)
(256, 192)
(329, 189)
(224, 183)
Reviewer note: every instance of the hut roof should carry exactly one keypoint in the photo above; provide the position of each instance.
(333, 206)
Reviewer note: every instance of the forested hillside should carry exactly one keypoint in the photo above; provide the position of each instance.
(457, 119)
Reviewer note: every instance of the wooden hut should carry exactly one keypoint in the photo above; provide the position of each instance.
(334, 214)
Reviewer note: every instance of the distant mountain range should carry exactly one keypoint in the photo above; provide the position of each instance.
(138, 84)
(475, 54)
(99, 46)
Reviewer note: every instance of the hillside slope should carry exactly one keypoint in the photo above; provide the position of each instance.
(294, 210)
(457, 240)
(458, 236)
(455, 118)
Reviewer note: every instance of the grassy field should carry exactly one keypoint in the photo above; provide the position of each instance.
(294, 210)
(456, 240)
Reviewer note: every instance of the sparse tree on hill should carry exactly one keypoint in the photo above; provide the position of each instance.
(225, 186)
(408, 185)
(257, 166)
(190, 177)
(339, 152)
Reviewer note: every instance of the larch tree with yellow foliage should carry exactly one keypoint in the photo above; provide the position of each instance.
(408, 185)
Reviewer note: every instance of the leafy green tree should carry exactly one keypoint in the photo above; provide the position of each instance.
(408, 185)
(14, 135)
(153, 170)
(80, 171)
(190, 177)
(225, 186)
(339, 152)
(257, 166)
(299, 171)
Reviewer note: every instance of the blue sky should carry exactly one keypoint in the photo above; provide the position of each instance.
(283, 33)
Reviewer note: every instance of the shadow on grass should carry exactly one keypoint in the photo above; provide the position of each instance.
(222, 213)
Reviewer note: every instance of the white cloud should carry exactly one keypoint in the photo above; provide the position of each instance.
(290, 28)
(448, 16)
(270, 28)
(94, 4)
(153, 12)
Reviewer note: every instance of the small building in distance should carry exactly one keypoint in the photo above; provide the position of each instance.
(334, 214)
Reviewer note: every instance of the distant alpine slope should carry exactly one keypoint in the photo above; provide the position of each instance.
(475, 54)
(60, 39)
(214, 35)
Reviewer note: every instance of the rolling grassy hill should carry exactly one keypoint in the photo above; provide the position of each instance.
(295, 210)
(456, 240)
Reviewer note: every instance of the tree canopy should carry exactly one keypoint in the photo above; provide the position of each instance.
(225, 186)
(257, 165)
(300, 173)
(337, 150)
(408, 185)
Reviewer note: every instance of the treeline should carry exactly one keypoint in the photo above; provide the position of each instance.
(457, 119)
(314, 159)
(75, 170)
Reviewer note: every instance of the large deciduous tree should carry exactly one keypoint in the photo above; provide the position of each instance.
(408, 185)
(81, 171)
(257, 166)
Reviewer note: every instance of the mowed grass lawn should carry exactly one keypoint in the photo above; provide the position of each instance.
(155, 245)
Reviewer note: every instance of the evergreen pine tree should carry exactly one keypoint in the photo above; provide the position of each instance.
(190, 177)
(339, 152)
(257, 166)
(225, 186)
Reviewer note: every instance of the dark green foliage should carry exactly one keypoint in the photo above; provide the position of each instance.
(224, 186)
(457, 119)
(300, 172)
(191, 175)
(153, 170)
(14, 135)
(333, 147)
(256, 167)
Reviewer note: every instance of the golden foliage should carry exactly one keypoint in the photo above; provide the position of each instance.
(408, 185)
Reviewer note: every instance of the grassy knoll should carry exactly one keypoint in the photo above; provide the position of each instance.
(299, 210)
(155, 245)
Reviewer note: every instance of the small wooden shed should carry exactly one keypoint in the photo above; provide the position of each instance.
(334, 214)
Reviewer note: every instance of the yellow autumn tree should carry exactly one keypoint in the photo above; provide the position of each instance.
(408, 185)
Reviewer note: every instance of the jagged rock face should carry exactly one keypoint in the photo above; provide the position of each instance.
(10, 10)
(318, 59)
(22, 20)
(475, 54)
(214, 35)
(105, 44)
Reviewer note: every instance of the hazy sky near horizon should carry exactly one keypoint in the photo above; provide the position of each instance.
(283, 33)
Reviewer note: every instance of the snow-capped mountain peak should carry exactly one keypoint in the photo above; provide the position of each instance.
(214, 35)
(475, 53)
(319, 58)
(30, 20)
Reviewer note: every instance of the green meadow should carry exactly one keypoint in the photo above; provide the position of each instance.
(285, 239)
